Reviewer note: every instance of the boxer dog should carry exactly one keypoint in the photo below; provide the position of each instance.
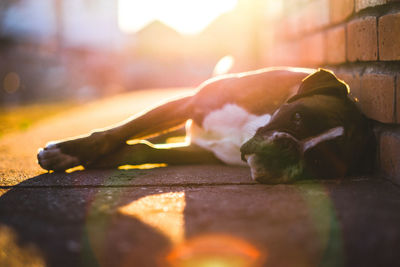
(285, 123)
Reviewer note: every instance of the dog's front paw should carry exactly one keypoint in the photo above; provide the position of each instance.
(51, 157)
(84, 150)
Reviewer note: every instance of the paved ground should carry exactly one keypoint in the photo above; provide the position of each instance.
(204, 215)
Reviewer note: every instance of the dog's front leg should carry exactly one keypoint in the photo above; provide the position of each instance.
(84, 150)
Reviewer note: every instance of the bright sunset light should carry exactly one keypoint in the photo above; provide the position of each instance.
(185, 16)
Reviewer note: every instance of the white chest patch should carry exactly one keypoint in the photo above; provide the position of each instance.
(225, 130)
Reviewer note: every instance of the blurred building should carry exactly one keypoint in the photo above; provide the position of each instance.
(57, 49)
(53, 48)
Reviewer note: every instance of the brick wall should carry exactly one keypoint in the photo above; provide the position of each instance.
(360, 41)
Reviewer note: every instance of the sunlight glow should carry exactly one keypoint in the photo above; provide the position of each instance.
(185, 16)
(146, 166)
(163, 212)
(186, 142)
(74, 169)
(274, 8)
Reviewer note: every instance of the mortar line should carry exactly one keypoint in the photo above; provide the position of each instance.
(374, 178)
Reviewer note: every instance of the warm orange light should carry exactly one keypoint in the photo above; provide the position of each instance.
(74, 169)
(186, 142)
(215, 250)
(185, 16)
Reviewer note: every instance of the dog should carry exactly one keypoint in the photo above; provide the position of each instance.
(286, 124)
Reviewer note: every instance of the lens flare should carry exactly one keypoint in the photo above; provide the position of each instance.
(215, 250)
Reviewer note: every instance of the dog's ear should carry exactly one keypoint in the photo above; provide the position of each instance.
(321, 82)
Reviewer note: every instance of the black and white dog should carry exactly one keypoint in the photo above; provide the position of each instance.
(286, 123)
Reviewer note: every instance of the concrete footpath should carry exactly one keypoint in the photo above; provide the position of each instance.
(200, 215)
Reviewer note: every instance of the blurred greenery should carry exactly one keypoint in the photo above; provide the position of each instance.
(21, 118)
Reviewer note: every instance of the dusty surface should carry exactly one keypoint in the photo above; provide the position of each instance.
(182, 215)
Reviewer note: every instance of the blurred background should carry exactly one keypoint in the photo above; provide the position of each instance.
(84, 49)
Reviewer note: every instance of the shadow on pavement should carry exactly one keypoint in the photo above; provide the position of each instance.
(335, 223)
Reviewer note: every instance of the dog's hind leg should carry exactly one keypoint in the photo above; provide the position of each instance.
(84, 150)
(142, 153)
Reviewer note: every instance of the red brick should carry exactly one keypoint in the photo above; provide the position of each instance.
(389, 37)
(335, 45)
(341, 10)
(361, 4)
(312, 49)
(389, 151)
(377, 96)
(362, 44)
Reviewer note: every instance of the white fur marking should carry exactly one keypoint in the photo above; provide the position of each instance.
(225, 130)
(51, 145)
(51, 154)
(277, 135)
(255, 168)
(328, 135)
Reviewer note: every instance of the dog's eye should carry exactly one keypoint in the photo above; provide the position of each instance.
(296, 118)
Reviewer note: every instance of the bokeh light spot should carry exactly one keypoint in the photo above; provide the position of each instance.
(11, 82)
(224, 65)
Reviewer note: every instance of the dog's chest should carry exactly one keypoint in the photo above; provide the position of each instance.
(223, 131)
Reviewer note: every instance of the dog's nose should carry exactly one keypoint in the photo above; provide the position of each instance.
(250, 147)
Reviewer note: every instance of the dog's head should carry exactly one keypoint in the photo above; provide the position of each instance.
(318, 133)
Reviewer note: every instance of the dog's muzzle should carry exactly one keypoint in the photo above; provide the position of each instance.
(277, 157)
(273, 143)
(272, 156)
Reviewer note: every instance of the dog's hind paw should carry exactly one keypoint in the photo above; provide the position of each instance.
(52, 158)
